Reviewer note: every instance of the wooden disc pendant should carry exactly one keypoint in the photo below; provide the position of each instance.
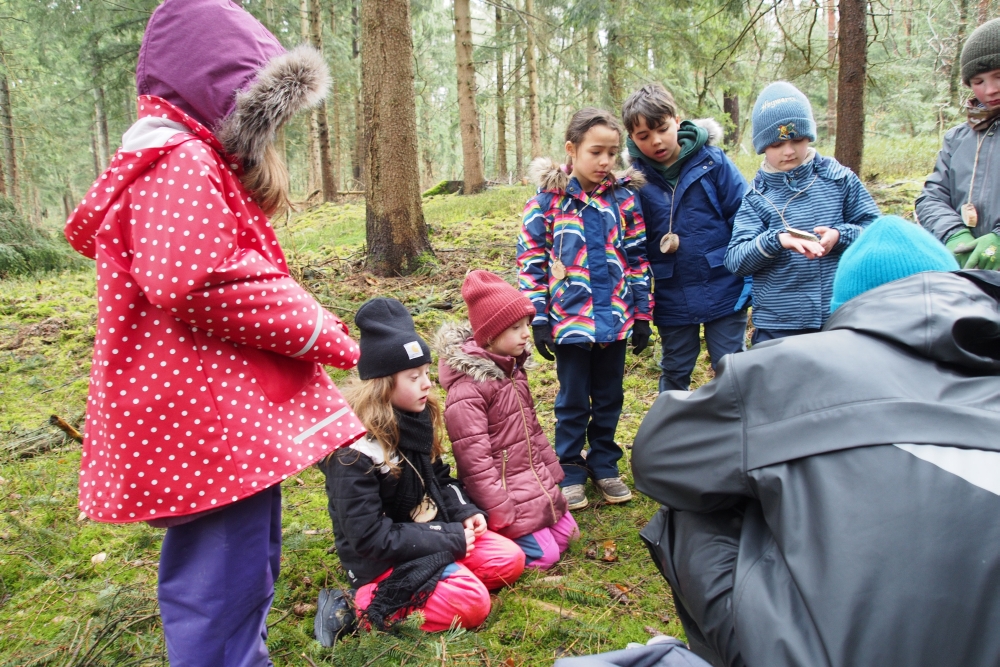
(969, 215)
(669, 243)
(559, 270)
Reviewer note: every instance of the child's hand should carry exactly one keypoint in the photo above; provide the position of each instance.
(810, 249)
(476, 523)
(470, 541)
(828, 237)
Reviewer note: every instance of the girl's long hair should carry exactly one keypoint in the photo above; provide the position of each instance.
(267, 180)
(371, 401)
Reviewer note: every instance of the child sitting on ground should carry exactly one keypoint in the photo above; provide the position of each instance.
(503, 458)
(405, 533)
(802, 211)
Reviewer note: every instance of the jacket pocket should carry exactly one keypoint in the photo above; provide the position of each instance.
(717, 257)
(279, 377)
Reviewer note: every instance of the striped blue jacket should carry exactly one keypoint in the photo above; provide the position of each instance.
(789, 290)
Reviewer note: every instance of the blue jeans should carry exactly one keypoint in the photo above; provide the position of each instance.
(216, 584)
(762, 335)
(682, 344)
(588, 406)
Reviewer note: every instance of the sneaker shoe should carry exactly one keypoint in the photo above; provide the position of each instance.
(576, 496)
(334, 615)
(614, 490)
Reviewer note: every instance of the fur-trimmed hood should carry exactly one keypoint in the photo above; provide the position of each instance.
(217, 63)
(459, 354)
(552, 177)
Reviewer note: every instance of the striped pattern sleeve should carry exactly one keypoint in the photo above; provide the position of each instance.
(753, 245)
(533, 244)
(859, 211)
(638, 270)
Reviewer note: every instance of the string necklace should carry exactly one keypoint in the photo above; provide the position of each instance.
(798, 233)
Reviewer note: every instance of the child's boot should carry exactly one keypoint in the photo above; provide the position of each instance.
(334, 615)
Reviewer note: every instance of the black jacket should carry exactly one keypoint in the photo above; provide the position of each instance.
(368, 542)
(867, 457)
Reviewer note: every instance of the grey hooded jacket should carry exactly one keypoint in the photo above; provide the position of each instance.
(867, 460)
(947, 188)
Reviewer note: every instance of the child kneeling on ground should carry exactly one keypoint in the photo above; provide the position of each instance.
(503, 458)
(802, 211)
(405, 532)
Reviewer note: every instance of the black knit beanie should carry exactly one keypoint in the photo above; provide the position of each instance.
(981, 52)
(389, 343)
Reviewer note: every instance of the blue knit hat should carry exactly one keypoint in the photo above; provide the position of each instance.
(781, 112)
(888, 249)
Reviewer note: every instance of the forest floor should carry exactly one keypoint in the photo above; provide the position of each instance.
(74, 592)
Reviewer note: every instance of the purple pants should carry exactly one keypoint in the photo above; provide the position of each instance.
(216, 583)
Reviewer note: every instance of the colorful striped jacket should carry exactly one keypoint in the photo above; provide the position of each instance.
(601, 240)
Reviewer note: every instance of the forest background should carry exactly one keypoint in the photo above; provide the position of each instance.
(485, 86)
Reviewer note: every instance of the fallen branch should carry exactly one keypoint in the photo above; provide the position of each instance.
(66, 427)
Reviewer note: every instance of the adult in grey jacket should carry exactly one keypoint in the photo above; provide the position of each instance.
(965, 174)
(834, 497)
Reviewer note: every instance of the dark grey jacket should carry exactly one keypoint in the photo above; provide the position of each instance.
(947, 188)
(867, 457)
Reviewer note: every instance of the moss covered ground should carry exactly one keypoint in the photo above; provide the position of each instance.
(74, 592)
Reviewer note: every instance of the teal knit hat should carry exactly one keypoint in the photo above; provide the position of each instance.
(888, 249)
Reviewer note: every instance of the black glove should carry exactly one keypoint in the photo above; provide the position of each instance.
(542, 333)
(640, 336)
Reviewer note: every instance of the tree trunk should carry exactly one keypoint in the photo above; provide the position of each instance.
(954, 87)
(94, 154)
(501, 102)
(831, 81)
(327, 183)
(395, 230)
(357, 153)
(468, 114)
(269, 13)
(616, 60)
(425, 148)
(313, 180)
(853, 56)
(592, 73)
(532, 67)
(731, 106)
(518, 103)
(983, 14)
(9, 148)
(335, 100)
(101, 119)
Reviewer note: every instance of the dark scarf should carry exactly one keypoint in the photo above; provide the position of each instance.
(407, 588)
(416, 437)
(980, 116)
(691, 138)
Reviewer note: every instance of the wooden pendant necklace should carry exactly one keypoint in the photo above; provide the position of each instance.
(670, 241)
(969, 214)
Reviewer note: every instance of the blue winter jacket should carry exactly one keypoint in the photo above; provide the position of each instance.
(789, 290)
(693, 285)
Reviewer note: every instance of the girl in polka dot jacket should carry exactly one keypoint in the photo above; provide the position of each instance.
(406, 533)
(207, 387)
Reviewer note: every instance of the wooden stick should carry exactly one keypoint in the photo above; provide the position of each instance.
(66, 427)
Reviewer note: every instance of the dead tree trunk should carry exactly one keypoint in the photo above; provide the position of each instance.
(731, 106)
(9, 148)
(327, 182)
(500, 35)
(395, 229)
(853, 56)
(532, 67)
(831, 81)
(468, 114)
(954, 81)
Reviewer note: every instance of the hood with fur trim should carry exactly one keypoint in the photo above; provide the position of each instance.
(214, 61)
(459, 354)
(552, 177)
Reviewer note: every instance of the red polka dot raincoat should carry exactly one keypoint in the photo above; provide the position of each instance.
(206, 385)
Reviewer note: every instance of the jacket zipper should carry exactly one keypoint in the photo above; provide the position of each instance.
(503, 471)
(527, 437)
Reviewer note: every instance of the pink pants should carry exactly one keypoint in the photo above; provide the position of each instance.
(543, 548)
(462, 595)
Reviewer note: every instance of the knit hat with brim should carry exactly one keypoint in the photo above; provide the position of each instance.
(218, 64)
(493, 305)
(889, 249)
(389, 343)
(781, 113)
(981, 52)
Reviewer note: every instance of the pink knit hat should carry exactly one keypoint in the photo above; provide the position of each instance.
(493, 305)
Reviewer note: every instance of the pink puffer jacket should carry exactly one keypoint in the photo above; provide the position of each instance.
(504, 459)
